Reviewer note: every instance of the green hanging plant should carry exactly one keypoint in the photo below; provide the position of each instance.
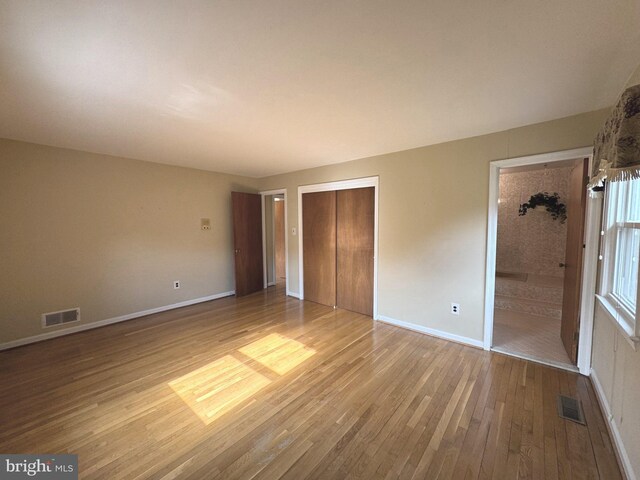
(551, 203)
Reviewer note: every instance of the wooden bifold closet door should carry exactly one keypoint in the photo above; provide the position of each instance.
(319, 247)
(338, 248)
(354, 281)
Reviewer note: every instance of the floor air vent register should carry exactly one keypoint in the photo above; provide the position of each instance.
(571, 409)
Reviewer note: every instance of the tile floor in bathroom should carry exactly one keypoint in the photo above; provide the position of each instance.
(527, 334)
(527, 317)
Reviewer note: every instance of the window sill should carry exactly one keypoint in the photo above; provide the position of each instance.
(615, 316)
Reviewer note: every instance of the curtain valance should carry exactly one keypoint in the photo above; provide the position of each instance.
(616, 151)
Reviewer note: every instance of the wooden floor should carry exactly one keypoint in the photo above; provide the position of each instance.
(268, 387)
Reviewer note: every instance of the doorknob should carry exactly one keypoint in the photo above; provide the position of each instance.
(237, 251)
(564, 265)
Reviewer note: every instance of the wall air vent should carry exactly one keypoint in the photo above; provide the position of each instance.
(58, 318)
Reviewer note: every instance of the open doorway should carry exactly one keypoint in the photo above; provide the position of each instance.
(537, 248)
(274, 207)
(279, 252)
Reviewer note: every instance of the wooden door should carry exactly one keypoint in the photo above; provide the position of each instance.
(355, 240)
(319, 247)
(576, 205)
(279, 233)
(247, 242)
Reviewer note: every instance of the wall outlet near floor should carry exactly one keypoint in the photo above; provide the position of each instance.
(455, 309)
(176, 284)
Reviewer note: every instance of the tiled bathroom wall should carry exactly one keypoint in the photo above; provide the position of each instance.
(535, 242)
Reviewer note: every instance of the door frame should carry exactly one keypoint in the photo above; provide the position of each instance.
(335, 186)
(263, 194)
(590, 261)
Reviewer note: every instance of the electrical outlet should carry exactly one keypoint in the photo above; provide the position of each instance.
(176, 284)
(455, 309)
(205, 224)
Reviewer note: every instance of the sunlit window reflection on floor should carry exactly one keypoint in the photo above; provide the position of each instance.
(278, 353)
(218, 387)
(213, 390)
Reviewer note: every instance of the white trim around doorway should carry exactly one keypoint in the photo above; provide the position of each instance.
(341, 185)
(589, 258)
(286, 237)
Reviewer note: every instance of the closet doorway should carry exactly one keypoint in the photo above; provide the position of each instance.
(338, 244)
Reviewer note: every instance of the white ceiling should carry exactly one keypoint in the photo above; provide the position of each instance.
(258, 87)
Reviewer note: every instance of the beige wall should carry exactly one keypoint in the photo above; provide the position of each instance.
(535, 242)
(433, 218)
(106, 234)
(616, 368)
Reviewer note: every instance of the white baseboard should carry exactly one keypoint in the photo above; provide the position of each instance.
(430, 331)
(271, 284)
(294, 295)
(109, 321)
(613, 428)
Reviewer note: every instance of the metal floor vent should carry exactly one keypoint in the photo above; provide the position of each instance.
(58, 318)
(571, 409)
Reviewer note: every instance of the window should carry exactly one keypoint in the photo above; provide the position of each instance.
(621, 248)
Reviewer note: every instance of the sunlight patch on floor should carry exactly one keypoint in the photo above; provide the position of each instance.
(278, 353)
(216, 388)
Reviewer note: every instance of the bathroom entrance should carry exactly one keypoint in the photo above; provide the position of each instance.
(539, 248)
